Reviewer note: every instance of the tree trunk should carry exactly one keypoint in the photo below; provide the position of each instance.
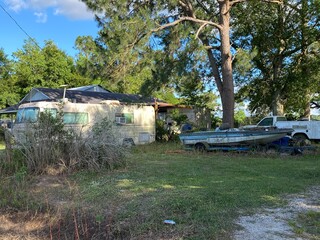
(227, 90)
(277, 106)
(307, 108)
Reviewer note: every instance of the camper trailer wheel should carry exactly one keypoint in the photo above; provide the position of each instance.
(199, 147)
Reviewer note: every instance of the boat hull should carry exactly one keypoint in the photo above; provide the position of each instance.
(232, 137)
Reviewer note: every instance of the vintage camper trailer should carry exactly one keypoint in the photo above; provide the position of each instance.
(132, 123)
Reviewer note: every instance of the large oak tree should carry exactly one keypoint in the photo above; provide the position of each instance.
(132, 29)
(285, 42)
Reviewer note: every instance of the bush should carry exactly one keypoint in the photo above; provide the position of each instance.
(1, 134)
(101, 148)
(162, 132)
(47, 145)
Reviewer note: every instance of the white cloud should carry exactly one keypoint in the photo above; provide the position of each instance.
(73, 9)
(16, 5)
(41, 17)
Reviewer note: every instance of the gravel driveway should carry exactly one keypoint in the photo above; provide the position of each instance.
(273, 224)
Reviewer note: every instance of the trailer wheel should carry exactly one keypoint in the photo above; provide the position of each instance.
(199, 147)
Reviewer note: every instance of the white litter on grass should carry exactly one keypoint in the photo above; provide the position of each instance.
(273, 224)
(170, 222)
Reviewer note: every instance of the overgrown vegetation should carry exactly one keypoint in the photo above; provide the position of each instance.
(307, 225)
(48, 144)
(202, 193)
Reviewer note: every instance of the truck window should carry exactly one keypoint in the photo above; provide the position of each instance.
(281, 119)
(27, 115)
(124, 118)
(75, 118)
(266, 122)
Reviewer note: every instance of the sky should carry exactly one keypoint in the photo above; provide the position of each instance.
(61, 21)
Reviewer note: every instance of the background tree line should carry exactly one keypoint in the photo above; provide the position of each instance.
(265, 52)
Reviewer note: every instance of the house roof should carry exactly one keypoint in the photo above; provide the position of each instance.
(79, 96)
(85, 94)
(10, 110)
(91, 88)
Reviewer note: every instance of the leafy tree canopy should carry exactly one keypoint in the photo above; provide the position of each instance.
(280, 49)
(8, 96)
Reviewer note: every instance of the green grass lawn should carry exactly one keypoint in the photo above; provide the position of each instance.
(202, 193)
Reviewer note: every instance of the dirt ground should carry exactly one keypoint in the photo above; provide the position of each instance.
(265, 224)
(274, 224)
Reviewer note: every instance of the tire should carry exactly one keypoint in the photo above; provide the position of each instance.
(200, 147)
(300, 139)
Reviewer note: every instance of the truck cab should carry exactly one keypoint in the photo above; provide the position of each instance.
(271, 121)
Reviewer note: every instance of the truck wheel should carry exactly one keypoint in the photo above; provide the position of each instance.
(199, 147)
(300, 139)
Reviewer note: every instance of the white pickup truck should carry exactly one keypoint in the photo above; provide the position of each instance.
(302, 129)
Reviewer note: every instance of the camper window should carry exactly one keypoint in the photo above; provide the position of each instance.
(29, 114)
(124, 118)
(51, 111)
(75, 118)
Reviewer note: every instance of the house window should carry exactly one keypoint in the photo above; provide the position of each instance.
(124, 118)
(75, 118)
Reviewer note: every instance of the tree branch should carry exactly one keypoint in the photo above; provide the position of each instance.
(190, 19)
(274, 1)
(214, 65)
(269, 1)
(315, 104)
(200, 28)
(236, 1)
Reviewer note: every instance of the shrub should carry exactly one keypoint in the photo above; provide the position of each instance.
(48, 144)
(100, 149)
(162, 132)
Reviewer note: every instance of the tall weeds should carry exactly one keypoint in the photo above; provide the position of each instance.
(48, 144)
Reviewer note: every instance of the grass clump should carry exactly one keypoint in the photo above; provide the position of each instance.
(308, 224)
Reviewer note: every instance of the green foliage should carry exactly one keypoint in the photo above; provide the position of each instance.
(9, 95)
(162, 132)
(42, 143)
(179, 118)
(280, 42)
(103, 148)
(90, 61)
(141, 57)
(34, 67)
(239, 118)
(307, 224)
(48, 144)
(46, 67)
(15, 165)
(216, 121)
(2, 133)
